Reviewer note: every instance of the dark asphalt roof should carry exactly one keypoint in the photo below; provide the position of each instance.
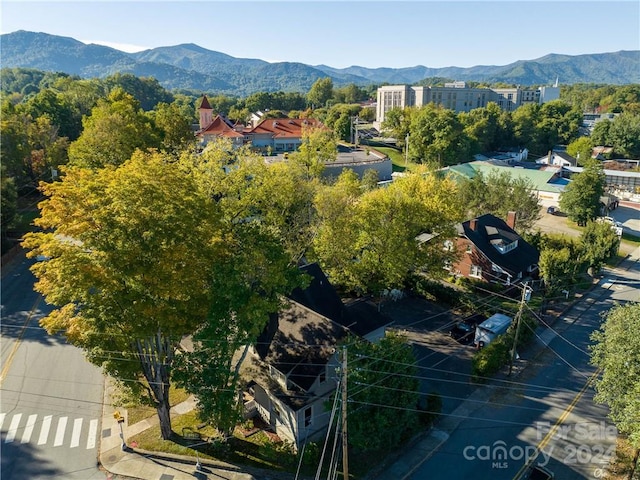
(491, 230)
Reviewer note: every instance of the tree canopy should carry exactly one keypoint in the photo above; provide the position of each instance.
(599, 242)
(581, 197)
(368, 240)
(142, 255)
(130, 269)
(617, 352)
(383, 393)
(116, 128)
(499, 194)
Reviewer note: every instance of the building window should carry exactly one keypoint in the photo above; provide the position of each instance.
(476, 271)
(448, 245)
(468, 248)
(308, 418)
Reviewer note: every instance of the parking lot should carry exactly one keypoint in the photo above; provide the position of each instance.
(444, 365)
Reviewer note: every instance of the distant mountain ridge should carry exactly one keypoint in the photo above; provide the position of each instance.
(189, 66)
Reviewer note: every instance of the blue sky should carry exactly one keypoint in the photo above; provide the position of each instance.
(341, 34)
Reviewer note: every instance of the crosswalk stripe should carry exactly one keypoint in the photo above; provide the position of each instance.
(28, 428)
(93, 430)
(13, 428)
(44, 431)
(62, 426)
(75, 435)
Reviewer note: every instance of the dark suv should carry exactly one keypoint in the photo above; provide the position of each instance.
(464, 331)
(539, 473)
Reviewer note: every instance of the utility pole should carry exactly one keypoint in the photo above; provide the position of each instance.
(355, 140)
(526, 294)
(345, 454)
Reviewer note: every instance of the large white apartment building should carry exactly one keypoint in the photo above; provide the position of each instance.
(458, 97)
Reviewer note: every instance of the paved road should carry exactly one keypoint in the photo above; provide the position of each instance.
(51, 397)
(549, 409)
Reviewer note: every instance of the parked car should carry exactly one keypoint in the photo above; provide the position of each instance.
(553, 210)
(539, 473)
(464, 331)
(611, 221)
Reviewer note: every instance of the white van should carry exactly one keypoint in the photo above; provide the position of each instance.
(492, 327)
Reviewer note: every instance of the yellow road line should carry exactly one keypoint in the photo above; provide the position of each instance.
(543, 443)
(7, 364)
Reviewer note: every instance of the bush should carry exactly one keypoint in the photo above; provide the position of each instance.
(279, 453)
(497, 354)
(493, 357)
(435, 291)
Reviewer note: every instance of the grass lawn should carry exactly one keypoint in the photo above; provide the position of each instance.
(397, 158)
(256, 450)
(140, 412)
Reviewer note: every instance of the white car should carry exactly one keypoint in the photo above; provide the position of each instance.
(610, 220)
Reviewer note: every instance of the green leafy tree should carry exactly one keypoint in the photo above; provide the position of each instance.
(397, 122)
(558, 123)
(524, 120)
(436, 136)
(15, 149)
(581, 149)
(557, 267)
(249, 287)
(321, 92)
(383, 393)
(617, 353)
(351, 93)
(131, 265)
(599, 243)
(146, 90)
(279, 195)
(368, 114)
(482, 126)
(581, 197)
(342, 127)
(624, 135)
(59, 111)
(499, 194)
(174, 123)
(600, 133)
(30, 147)
(318, 147)
(369, 242)
(9, 199)
(116, 128)
(560, 259)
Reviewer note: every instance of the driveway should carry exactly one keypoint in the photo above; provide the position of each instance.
(444, 365)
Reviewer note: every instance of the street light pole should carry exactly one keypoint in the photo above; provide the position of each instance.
(406, 152)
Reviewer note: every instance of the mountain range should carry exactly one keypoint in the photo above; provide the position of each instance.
(194, 68)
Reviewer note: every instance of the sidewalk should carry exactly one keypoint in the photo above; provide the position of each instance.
(134, 463)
